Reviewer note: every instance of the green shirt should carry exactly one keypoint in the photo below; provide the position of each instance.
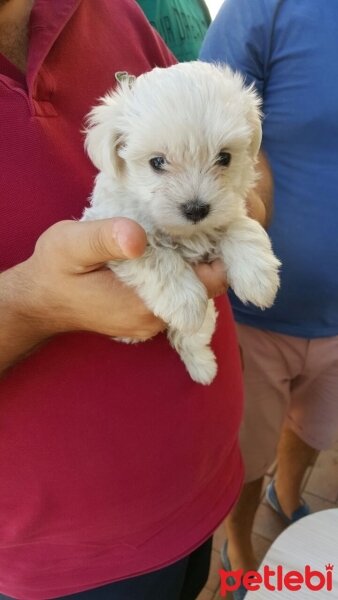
(181, 23)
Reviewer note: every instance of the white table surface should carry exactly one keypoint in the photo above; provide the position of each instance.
(311, 541)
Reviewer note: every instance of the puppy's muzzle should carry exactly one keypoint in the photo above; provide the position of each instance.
(195, 211)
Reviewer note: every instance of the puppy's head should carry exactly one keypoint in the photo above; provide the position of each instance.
(183, 141)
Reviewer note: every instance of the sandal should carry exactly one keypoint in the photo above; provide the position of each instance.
(271, 497)
(238, 594)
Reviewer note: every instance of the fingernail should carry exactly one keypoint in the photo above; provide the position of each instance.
(119, 237)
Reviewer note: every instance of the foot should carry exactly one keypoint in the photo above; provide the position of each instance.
(233, 561)
(292, 515)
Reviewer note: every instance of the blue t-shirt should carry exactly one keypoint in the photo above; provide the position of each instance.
(289, 48)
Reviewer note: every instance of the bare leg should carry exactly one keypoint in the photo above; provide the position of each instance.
(239, 525)
(293, 458)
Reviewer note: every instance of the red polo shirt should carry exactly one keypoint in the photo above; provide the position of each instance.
(113, 462)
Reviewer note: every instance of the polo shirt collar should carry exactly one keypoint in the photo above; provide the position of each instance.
(48, 18)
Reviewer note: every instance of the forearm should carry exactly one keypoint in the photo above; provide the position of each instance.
(19, 333)
(260, 198)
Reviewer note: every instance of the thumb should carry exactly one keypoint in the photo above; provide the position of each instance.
(92, 243)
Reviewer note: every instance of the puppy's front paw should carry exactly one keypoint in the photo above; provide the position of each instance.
(258, 282)
(251, 266)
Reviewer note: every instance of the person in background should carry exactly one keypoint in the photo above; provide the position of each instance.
(287, 48)
(112, 459)
(181, 23)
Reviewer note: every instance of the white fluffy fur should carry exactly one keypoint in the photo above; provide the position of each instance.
(186, 114)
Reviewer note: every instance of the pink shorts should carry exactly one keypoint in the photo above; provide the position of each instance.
(286, 379)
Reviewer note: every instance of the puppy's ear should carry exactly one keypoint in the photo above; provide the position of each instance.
(104, 135)
(255, 121)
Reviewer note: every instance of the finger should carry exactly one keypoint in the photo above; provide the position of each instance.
(213, 277)
(93, 243)
(256, 208)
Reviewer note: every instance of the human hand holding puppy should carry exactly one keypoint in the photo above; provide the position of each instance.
(64, 287)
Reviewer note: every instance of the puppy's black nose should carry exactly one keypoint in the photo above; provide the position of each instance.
(195, 211)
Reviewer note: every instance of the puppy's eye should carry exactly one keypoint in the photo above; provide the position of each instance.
(223, 159)
(158, 163)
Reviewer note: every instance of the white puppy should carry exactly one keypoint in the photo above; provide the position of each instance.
(176, 151)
